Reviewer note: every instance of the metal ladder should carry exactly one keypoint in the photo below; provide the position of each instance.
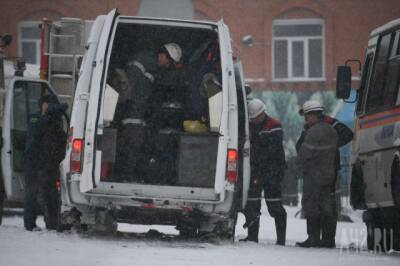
(63, 80)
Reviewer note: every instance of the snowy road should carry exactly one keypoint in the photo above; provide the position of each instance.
(19, 247)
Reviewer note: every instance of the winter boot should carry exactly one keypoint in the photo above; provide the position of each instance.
(313, 231)
(328, 228)
(252, 231)
(280, 227)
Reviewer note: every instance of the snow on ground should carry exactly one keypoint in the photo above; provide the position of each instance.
(19, 247)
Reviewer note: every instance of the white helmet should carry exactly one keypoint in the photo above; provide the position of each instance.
(311, 106)
(174, 51)
(255, 108)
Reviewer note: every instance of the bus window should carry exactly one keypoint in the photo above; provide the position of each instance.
(393, 75)
(364, 83)
(375, 92)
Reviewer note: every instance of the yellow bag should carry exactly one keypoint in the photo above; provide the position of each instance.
(194, 126)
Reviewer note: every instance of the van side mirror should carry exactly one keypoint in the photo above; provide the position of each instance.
(343, 82)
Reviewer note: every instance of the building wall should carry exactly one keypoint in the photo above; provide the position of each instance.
(347, 25)
(25, 10)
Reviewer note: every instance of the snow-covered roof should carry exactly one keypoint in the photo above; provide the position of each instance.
(391, 24)
(32, 71)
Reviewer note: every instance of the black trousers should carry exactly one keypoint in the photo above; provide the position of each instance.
(48, 196)
(273, 199)
(31, 206)
(41, 195)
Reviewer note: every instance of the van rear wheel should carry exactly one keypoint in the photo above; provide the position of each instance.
(226, 229)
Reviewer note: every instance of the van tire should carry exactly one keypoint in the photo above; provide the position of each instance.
(226, 229)
(105, 224)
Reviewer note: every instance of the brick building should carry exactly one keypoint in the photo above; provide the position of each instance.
(284, 45)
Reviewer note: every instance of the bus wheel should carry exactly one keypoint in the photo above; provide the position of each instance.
(2, 197)
(1, 205)
(357, 187)
(395, 182)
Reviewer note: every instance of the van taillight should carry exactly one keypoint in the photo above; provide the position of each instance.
(76, 156)
(231, 166)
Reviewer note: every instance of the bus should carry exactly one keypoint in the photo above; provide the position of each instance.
(375, 155)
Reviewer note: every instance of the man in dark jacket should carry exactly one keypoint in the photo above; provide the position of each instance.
(267, 170)
(32, 149)
(316, 156)
(45, 149)
(53, 142)
(345, 135)
(142, 72)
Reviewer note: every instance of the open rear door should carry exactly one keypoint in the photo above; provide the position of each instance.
(92, 157)
(229, 119)
(21, 104)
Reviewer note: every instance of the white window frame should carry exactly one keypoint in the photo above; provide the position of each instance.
(305, 40)
(21, 40)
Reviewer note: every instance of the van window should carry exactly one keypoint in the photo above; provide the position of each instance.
(376, 91)
(26, 98)
(25, 104)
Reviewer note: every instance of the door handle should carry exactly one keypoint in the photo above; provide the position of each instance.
(9, 152)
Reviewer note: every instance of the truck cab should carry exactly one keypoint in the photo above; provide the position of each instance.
(195, 179)
(21, 102)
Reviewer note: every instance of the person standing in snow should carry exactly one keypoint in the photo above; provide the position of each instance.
(142, 73)
(45, 149)
(345, 135)
(267, 169)
(316, 159)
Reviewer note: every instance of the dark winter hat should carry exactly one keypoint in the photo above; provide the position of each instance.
(48, 98)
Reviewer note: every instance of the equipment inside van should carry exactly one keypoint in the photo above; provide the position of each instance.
(171, 154)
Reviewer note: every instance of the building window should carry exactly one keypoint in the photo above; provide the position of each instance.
(298, 48)
(29, 41)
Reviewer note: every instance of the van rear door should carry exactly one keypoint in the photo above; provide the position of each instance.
(92, 157)
(21, 104)
(229, 119)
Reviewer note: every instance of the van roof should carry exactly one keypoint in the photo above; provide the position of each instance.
(389, 25)
(200, 22)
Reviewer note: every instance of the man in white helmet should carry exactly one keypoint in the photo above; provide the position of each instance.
(267, 159)
(134, 114)
(316, 159)
(345, 135)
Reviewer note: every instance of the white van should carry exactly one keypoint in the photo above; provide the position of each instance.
(204, 183)
(18, 101)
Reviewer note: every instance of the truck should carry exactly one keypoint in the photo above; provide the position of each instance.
(375, 154)
(21, 86)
